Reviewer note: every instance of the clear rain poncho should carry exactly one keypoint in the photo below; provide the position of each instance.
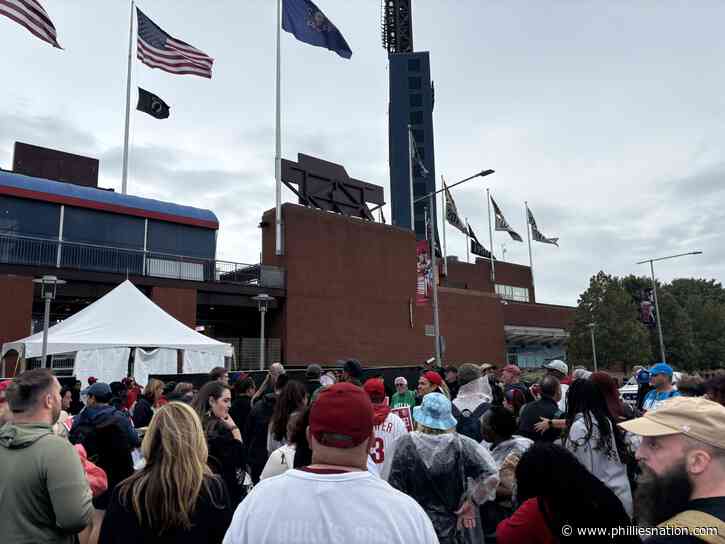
(472, 394)
(440, 472)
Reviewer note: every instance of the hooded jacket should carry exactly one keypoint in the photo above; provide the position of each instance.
(103, 413)
(44, 494)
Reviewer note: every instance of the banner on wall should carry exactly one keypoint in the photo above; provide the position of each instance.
(424, 273)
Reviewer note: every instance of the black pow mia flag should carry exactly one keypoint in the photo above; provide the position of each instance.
(152, 104)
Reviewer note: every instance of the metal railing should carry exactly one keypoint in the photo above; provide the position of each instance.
(26, 250)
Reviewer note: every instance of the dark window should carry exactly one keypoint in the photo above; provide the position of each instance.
(185, 240)
(418, 135)
(416, 100)
(414, 65)
(421, 152)
(416, 117)
(419, 188)
(26, 217)
(102, 228)
(414, 83)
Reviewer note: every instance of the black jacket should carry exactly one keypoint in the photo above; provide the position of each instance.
(532, 413)
(240, 411)
(142, 413)
(210, 520)
(226, 458)
(108, 438)
(256, 429)
(311, 386)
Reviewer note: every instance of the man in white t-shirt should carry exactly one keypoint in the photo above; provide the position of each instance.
(386, 425)
(335, 499)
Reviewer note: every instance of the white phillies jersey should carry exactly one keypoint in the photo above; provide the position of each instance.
(385, 435)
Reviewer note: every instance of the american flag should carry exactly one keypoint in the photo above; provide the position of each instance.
(32, 16)
(157, 49)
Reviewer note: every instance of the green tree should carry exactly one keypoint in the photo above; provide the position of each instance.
(677, 332)
(620, 337)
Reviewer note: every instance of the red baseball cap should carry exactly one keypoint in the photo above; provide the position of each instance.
(433, 377)
(342, 416)
(375, 388)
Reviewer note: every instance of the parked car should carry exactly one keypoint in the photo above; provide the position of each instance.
(628, 392)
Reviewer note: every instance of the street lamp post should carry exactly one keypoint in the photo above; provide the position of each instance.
(263, 300)
(594, 346)
(658, 314)
(48, 287)
(430, 197)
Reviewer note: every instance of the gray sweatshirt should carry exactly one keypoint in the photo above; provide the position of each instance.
(44, 494)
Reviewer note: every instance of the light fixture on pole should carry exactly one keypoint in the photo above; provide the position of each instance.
(658, 315)
(263, 300)
(430, 197)
(48, 288)
(594, 345)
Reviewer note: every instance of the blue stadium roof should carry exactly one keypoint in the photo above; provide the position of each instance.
(18, 185)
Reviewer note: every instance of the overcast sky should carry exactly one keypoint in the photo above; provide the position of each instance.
(606, 117)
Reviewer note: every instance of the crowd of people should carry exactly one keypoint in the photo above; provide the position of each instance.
(472, 455)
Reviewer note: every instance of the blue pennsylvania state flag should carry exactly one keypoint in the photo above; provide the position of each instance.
(308, 24)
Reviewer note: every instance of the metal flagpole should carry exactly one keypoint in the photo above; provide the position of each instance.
(468, 244)
(436, 321)
(279, 247)
(443, 217)
(528, 237)
(411, 143)
(124, 175)
(490, 237)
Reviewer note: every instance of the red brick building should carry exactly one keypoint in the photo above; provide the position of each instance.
(350, 291)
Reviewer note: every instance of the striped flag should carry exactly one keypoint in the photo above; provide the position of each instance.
(502, 224)
(32, 16)
(452, 212)
(157, 49)
(477, 247)
(536, 233)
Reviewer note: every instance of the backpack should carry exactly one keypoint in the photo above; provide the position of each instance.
(469, 423)
(696, 521)
(107, 446)
(85, 434)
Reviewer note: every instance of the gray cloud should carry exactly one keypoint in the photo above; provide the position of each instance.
(609, 127)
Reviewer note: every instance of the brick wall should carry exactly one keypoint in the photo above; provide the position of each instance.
(16, 293)
(349, 287)
(180, 303)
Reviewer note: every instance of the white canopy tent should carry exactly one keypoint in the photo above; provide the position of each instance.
(124, 318)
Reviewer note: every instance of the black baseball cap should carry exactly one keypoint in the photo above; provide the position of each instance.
(351, 366)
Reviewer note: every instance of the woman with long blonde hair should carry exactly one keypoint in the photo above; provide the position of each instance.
(175, 497)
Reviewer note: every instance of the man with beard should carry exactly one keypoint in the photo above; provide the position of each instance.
(44, 495)
(683, 462)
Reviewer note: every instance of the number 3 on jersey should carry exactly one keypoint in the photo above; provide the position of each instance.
(377, 452)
